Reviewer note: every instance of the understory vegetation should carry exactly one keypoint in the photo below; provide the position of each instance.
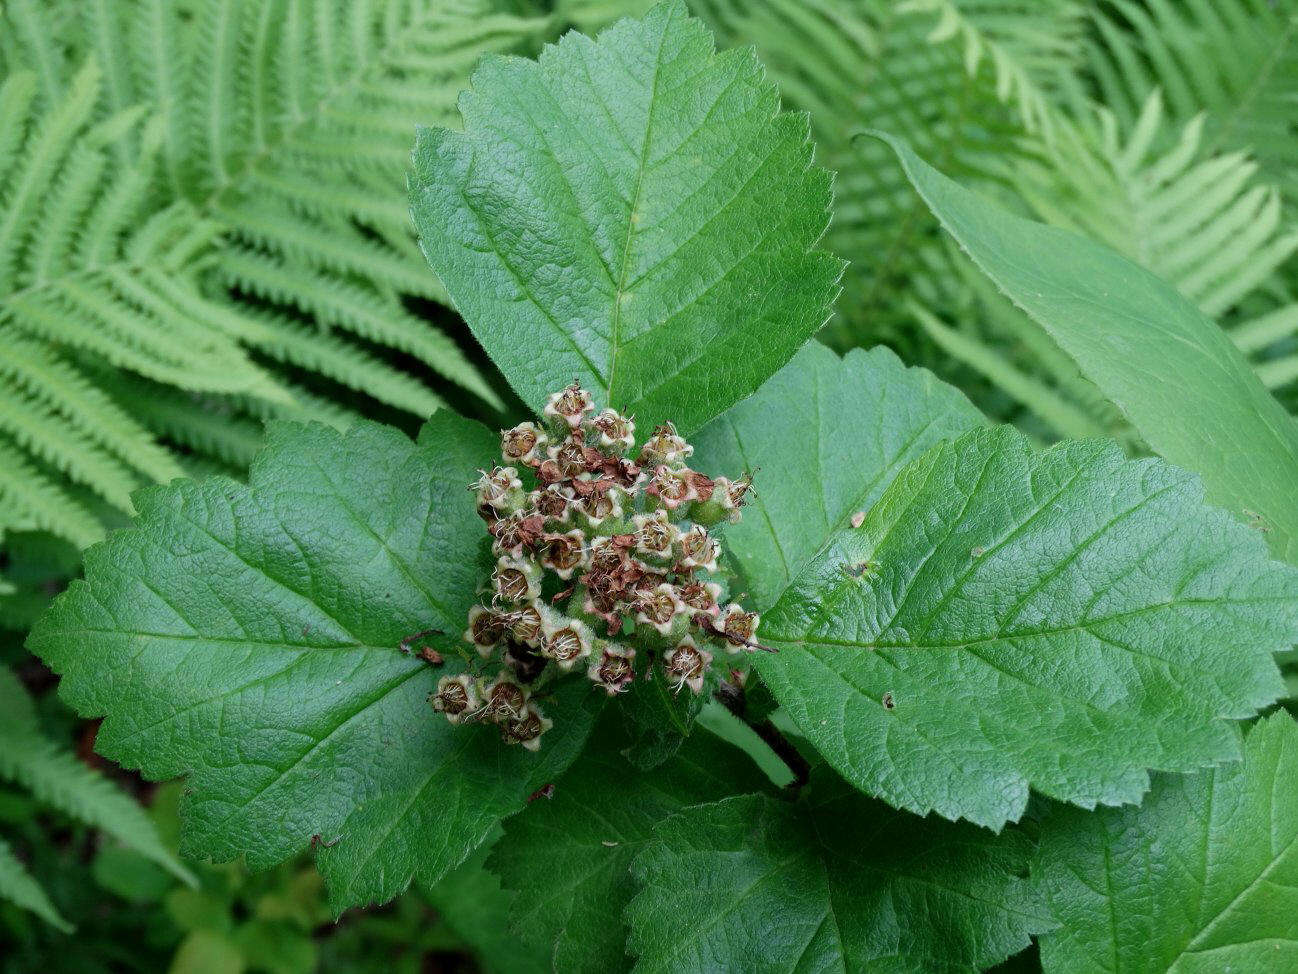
(927, 483)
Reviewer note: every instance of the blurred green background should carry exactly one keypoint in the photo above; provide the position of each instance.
(203, 227)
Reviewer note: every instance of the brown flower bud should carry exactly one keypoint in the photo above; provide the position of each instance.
(523, 444)
(654, 534)
(739, 626)
(503, 699)
(566, 641)
(698, 549)
(660, 608)
(614, 431)
(670, 487)
(665, 447)
(701, 596)
(500, 489)
(568, 406)
(554, 503)
(486, 629)
(524, 624)
(603, 503)
(517, 532)
(615, 668)
(457, 697)
(686, 664)
(526, 728)
(516, 580)
(570, 456)
(564, 554)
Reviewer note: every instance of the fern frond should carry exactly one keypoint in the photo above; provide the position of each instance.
(1032, 46)
(28, 179)
(31, 500)
(1257, 333)
(15, 702)
(40, 431)
(58, 779)
(201, 201)
(334, 302)
(303, 114)
(208, 425)
(29, 23)
(1235, 60)
(1200, 220)
(345, 363)
(62, 388)
(1033, 394)
(860, 64)
(19, 888)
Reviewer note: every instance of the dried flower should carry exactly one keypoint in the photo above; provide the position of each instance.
(581, 533)
(524, 624)
(566, 641)
(665, 447)
(526, 728)
(568, 406)
(615, 668)
(671, 488)
(503, 699)
(660, 608)
(457, 697)
(486, 629)
(739, 626)
(698, 549)
(685, 665)
(564, 554)
(516, 580)
(614, 431)
(523, 444)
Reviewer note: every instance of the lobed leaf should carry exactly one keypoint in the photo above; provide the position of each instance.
(632, 211)
(472, 903)
(1004, 619)
(835, 883)
(248, 637)
(1202, 877)
(823, 438)
(569, 857)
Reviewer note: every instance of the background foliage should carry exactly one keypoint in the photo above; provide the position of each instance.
(203, 225)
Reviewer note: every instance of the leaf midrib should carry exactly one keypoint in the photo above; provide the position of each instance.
(620, 291)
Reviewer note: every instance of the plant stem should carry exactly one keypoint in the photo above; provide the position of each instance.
(732, 697)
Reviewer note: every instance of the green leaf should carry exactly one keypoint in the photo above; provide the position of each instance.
(658, 720)
(825, 436)
(633, 211)
(472, 902)
(569, 857)
(835, 883)
(248, 637)
(1174, 374)
(18, 887)
(1003, 619)
(1202, 877)
(207, 952)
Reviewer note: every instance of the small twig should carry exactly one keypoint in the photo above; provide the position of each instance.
(406, 644)
(545, 791)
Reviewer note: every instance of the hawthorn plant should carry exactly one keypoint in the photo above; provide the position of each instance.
(1015, 688)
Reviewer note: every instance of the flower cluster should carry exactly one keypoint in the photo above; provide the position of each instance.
(601, 551)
